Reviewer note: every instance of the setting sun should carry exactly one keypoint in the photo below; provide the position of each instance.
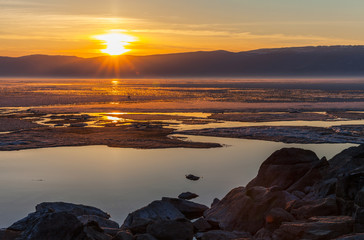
(115, 43)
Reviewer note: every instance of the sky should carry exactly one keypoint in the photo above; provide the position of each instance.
(69, 27)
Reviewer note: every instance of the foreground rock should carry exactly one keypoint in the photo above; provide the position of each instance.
(222, 235)
(284, 168)
(297, 196)
(171, 229)
(315, 228)
(138, 221)
(245, 209)
(62, 221)
(189, 209)
(294, 196)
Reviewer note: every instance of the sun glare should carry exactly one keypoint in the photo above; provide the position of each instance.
(115, 43)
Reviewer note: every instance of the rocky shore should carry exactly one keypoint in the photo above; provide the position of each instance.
(288, 134)
(295, 195)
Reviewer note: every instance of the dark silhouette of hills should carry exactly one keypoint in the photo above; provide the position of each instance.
(300, 61)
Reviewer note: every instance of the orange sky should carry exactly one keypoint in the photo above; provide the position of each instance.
(69, 27)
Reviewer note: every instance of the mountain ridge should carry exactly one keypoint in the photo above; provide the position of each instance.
(340, 60)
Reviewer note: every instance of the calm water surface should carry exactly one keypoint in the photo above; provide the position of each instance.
(120, 180)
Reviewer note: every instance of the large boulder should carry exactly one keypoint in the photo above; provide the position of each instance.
(285, 167)
(56, 207)
(349, 160)
(318, 207)
(190, 209)
(317, 228)
(74, 209)
(102, 222)
(55, 226)
(245, 210)
(171, 230)
(92, 231)
(349, 192)
(138, 221)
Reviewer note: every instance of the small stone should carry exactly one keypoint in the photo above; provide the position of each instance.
(187, 195)
(192, 177)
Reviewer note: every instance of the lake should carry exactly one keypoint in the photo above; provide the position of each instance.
(121, 180)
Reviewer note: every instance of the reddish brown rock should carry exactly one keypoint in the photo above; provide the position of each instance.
(317, 228)
(284, 168)
(244, 210)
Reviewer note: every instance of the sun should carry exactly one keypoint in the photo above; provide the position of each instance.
(115, 43)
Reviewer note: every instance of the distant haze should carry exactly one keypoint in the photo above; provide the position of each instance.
(304, 61)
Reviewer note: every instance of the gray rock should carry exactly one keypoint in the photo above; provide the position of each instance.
(319, 207)
(75, 209)
(349, 185)
(138, 221)
(187, 195)
(123, 235)
(111, 231)
(359, 220)
(56, 207)
(359, 198)
(145, 237)
(102, 222)
(171, 230)
(55, 226)
(348, 161)
(299, 194)
(263, 234)
(323, 188)
(92, 231)
(191, 210)
(222, 235)
(202, 225)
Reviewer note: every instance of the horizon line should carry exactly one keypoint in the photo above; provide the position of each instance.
(203, 51)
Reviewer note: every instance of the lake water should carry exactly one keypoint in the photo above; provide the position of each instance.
(121, 180)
